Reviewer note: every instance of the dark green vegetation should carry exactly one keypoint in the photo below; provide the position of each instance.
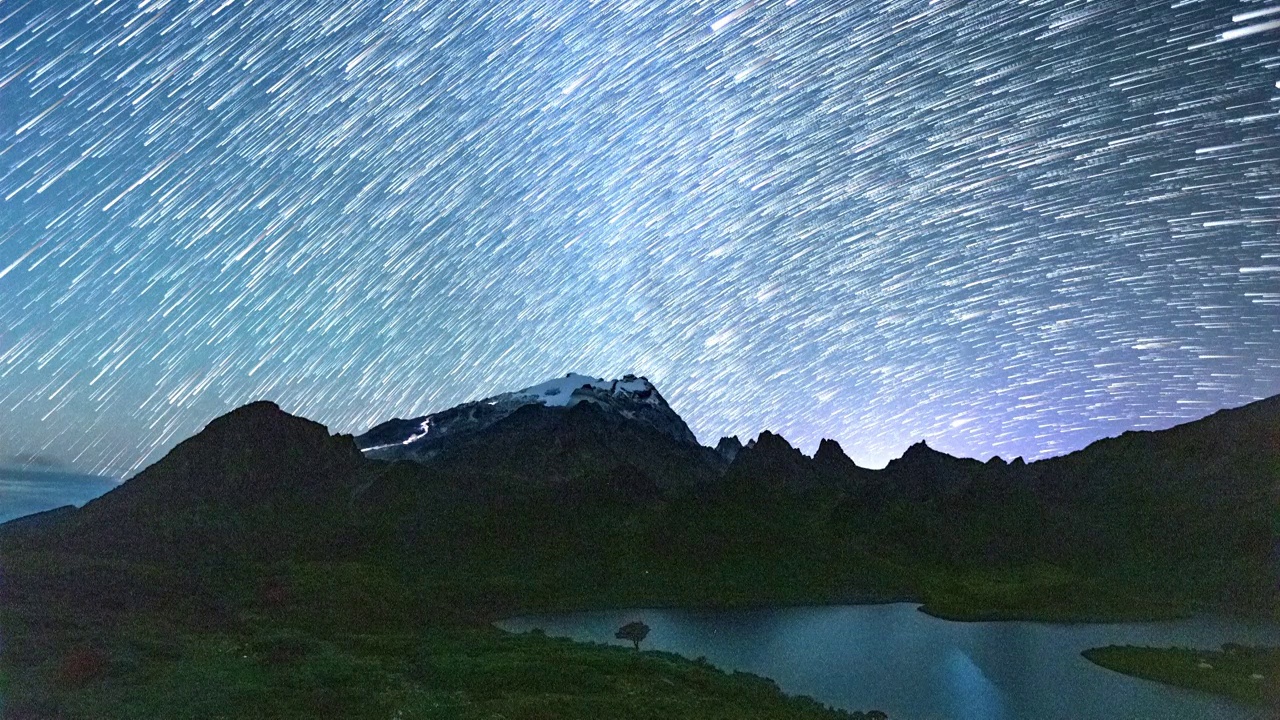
(1044, 592)
(264, 670)
(313, 639)
(1243, 673)
(265, 524)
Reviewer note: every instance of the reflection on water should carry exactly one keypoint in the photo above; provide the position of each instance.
(972, 693)
(915, 667)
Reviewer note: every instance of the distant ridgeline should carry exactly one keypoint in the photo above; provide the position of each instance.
(583, 492)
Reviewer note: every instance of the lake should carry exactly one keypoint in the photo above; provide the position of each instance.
(23, 492)
(916, 667)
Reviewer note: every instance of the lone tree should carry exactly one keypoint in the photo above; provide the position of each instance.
(633, 631)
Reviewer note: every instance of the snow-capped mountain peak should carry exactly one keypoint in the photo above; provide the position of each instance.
(632, 397)
(574, 388)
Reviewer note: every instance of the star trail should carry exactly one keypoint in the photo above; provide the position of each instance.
(1007, 227)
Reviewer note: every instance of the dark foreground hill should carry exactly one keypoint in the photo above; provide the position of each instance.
(264, 524)
(256, 483)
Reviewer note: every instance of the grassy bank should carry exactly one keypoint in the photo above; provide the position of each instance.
(463, 674)
(87, 639)
(1245, 674)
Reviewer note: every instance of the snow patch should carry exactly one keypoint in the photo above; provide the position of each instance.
(574, 388)
(421, 433)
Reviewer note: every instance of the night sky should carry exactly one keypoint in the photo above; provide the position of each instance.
(1007, 227)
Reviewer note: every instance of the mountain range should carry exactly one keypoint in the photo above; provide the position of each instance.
(580, 490)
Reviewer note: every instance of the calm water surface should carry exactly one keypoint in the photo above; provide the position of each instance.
(915, 667)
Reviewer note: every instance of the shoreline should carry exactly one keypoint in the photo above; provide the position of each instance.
(1066, 618)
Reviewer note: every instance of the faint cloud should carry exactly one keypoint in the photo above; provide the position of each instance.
(34, 461)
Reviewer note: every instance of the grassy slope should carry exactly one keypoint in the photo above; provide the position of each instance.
(477, 673)
(344, 640)
(1037, 592)
(1229, 673)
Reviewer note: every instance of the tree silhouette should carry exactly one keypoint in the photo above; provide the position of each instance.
(634, 631)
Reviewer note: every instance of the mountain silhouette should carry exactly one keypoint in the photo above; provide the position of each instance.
(585, 489)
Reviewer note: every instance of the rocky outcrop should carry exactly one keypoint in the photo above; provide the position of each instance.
(728, 448)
